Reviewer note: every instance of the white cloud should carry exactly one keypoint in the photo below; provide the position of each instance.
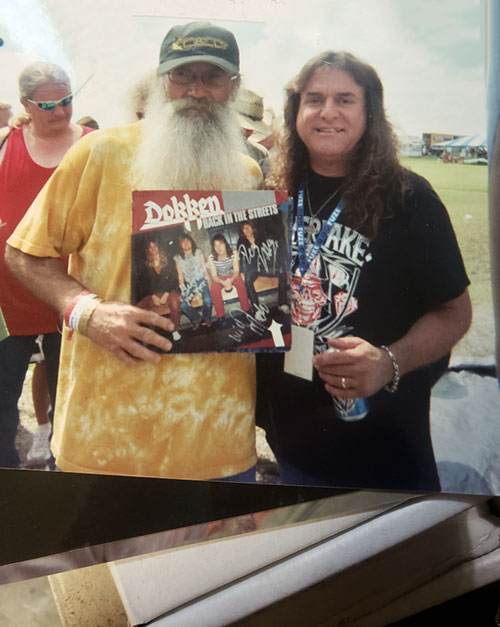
(426, 53)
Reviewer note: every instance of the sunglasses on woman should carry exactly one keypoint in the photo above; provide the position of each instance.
(49, 105)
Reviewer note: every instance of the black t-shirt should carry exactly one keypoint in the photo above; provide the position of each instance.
(375, 290)
(152, 282)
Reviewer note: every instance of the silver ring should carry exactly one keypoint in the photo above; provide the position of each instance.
(344, 386)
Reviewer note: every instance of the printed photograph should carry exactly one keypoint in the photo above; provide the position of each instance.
(372, 119)
(217, 265)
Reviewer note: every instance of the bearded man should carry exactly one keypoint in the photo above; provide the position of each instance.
(123, 408)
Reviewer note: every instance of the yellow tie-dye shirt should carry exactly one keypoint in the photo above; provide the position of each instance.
(191, 416)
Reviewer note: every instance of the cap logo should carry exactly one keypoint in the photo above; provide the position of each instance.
(188, 43)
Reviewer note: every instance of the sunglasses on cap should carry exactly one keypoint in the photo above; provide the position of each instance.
(49, 105)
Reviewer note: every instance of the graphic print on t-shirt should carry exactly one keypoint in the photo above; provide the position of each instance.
(329, 285)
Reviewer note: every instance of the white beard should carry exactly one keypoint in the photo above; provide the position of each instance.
(189, 144)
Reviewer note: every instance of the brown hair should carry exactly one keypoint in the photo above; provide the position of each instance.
(89, 121)
(193, 244)
(376, 182)
(149, 255)
(221, 238)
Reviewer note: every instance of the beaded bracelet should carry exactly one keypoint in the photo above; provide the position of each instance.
(395, 366)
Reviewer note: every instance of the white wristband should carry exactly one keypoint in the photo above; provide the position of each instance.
(77, 310)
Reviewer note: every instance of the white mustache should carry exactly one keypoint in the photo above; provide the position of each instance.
(185, 106)
(189, 143)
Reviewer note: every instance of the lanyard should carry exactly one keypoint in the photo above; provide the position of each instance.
(305, 260)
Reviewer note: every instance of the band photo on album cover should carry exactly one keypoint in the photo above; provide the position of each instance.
(217, 264)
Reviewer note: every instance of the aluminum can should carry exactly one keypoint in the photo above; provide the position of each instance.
(350, 409)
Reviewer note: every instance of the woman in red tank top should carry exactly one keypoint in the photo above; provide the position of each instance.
(30, 150)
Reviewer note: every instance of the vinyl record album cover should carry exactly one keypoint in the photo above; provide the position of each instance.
(194, 251)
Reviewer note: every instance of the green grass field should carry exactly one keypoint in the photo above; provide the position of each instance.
(464, 191)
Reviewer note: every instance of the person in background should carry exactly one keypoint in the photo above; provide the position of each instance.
(29, 154)
(5, 114)
(39, 451)
(123, 408)
(250, 108)
(138, 95)
(89, 122)
(273, 124)
(379, 291)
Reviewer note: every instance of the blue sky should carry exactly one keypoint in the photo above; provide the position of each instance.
(430, 55)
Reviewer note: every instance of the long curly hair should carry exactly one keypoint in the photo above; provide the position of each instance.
(376, 182)
(150, 256)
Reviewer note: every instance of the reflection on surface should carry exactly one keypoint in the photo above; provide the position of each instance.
(363, 504)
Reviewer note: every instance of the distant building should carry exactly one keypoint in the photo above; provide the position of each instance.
(430, 139)
(411, 146)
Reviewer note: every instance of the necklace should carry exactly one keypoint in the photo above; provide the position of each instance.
(330, 197)
(310, 228)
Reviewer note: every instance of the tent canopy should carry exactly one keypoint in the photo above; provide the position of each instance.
(468, 141)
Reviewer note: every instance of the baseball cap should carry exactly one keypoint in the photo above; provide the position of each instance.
(199, 41)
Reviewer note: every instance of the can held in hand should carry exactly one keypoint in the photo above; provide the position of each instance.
(350, 409)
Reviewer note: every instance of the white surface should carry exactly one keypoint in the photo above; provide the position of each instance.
(449, 559)
(465, 412)
(305, 569)
(296, 360)
(155, 584)
(204, 566)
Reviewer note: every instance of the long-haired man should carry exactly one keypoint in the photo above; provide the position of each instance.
(379, 290)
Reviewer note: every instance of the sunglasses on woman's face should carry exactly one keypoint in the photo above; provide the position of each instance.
(49, 105)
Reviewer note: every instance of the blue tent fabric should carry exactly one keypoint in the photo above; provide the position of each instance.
(469, 141)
